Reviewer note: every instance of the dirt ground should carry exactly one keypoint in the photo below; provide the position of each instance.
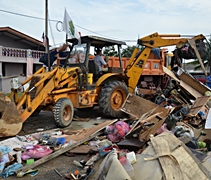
(63, 164)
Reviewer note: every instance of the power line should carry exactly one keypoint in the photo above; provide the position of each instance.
(33, 17)
(96, 32)
(22, 15)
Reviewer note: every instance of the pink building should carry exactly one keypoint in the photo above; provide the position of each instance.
(17, 51)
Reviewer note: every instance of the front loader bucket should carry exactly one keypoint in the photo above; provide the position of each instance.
(10, 120)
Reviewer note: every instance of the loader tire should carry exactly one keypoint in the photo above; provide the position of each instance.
(112, 97)
(36, 113)
(63, 112)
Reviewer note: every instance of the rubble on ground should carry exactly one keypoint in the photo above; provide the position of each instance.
(166, 135)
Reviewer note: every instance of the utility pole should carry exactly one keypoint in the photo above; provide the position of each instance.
(46, 21)
(209, 60)
(46, 33)
(209, 54)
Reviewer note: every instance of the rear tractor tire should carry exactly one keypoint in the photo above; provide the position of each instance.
(112, 97)
(63, 112)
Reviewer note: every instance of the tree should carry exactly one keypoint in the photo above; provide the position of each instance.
(110, 51)
(127, 52)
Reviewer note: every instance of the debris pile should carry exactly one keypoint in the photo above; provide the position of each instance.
(165, 136)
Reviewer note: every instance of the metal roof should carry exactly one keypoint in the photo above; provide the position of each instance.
(19, 36)
(99, 42)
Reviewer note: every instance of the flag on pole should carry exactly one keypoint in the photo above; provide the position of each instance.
(43, 39)
(69, 27)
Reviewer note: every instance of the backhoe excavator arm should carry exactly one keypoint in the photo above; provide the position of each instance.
(138, 59)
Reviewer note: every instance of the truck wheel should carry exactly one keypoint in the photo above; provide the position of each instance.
(63, 112)
(112, 97)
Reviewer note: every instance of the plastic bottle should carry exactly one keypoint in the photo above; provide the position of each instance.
(77, 163)
(18, 157)
(127, 166)
(131, 157)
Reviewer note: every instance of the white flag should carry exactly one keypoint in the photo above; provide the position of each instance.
(69, 27)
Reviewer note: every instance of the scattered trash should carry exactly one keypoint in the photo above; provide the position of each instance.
(10, 170)
(77, 163)
(40, 129)
(58, 173)
(36, 152)
(30, 173)
(131, 157)
(173, 121)
(117, 131)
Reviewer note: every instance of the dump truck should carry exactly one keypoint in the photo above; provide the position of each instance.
(80, 85)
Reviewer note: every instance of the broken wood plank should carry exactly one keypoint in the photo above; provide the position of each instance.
(89, 131)
(151, 117)
(189, 89)
(170, 73)
(146, 134)
(57, 153)
(83, 149)
(198, 105)
(191, 85)
(139, 106)
(140, 119)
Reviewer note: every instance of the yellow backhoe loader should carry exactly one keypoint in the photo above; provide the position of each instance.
(71, 85)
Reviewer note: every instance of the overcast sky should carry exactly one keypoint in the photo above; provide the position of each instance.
(120, 19)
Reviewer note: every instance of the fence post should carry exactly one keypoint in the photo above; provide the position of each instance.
(0, 50)
(0, 83)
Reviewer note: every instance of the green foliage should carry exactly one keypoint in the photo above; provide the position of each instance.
(110, 51)
(127, 52)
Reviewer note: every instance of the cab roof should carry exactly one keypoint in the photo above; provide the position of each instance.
(99, 42)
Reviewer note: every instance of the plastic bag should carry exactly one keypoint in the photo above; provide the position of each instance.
(36, 152)
(3, 160)
(117, 131)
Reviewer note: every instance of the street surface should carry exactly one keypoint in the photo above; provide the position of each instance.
(63, 164)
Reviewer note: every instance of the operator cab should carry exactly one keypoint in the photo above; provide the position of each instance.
(82, 55)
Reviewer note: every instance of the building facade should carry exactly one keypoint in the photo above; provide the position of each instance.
(19, 57)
